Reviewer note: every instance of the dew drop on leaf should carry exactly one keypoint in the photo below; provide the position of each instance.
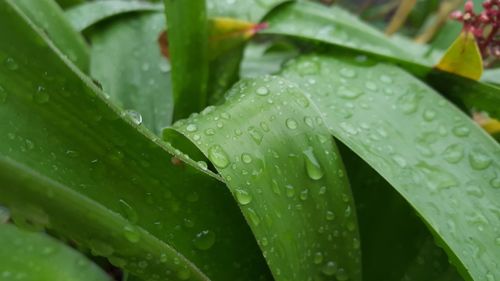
(347, 93)
(386, 79)
(11, 64)
(243, 196)
(479, 160)
(41, 96)
(254, 218)
(262, 91)
(461, 131)
(128, 211)
(204, 240)
(347, 72)
(313, 168)
(135, 116)
(291, 124)
(330, 268)
(453, 153)
(246, 158)
(318, 258)
(191, 128)
(132, 233)
(218, 156)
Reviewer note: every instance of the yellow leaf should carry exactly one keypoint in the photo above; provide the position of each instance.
(463, 57)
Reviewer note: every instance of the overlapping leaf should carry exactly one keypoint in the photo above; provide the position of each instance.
(282, 167)
(443, 164)
(69, 162)
(36, 256)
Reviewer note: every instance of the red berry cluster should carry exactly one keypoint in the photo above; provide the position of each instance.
(484, 26)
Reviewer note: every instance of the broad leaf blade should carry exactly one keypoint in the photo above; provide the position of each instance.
(432, 154)
(48, 16)
(330, 26)
(285, 171)
(396, 244)
(72, 164)
(133, 72)
(85, 15)
(188, 48)
(36, 256)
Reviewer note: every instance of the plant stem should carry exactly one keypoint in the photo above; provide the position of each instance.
(188, 37)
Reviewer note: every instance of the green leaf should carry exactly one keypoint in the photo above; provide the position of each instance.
(68, 162)
(472, 94)
(266, 58)
(334, 26)
(49, 17)
(443, 164)
(284, 170)
(188, 48)
(133, 72)
(36, 256)
(396, 244)
(87, 14)
(250, 10)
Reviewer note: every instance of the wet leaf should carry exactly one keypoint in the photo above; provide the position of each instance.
(36, 256)
(67, 148)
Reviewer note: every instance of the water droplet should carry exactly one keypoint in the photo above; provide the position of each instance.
(309, 122)
(243, 196)
(131, 233)
(246, 158)
(218, 156)
(291, 124)
(495, 182)
(41, 96)
(11, 64)
(191, 128)
(479, 160)
(304, 194)
(371, 86)
(255, 134)
(386, 79)
(204, 240)
(128, 211)
(400, 160)
(342, 275)
(308, 67)
(429, 115)
(347, 72)
(313, 168)
(330, 268)
(453, 153)
(290, 190)
(461, 131)
(254, 218)
(202, 165)
(318, 258)
(436, 177)
(262, 91)
(330, 215)
(135, 116)
(408, 103)
(348, 93)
